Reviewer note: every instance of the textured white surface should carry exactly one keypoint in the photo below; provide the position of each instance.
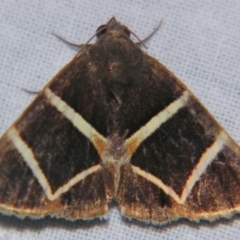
(198, 41)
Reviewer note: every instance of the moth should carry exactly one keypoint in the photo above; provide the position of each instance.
(116, 124)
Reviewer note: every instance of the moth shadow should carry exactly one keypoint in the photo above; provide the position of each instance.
(37, 224)
(183, 222)
(12, 222)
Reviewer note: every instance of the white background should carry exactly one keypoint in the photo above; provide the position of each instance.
(199, 41)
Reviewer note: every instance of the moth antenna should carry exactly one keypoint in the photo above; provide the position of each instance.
(140, 41)
(154, 31)
(151, 34)
(95, 34)
(67, 41)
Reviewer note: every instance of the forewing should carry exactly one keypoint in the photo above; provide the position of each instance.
(50, 158)
(182, 162)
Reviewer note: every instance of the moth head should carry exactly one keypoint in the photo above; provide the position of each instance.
(114, 28)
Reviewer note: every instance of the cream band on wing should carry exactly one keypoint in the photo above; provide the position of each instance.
(155, 122)
(158, 182)
(207, 157)
(78, 121)
(32, 163)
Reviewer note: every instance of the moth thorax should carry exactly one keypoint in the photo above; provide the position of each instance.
(115, 146)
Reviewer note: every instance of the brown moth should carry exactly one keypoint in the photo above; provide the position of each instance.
(116, 124)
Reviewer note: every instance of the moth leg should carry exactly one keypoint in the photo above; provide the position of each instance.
(30, 91)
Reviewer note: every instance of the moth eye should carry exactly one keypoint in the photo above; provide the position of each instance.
(101, 30)
(126, 31)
